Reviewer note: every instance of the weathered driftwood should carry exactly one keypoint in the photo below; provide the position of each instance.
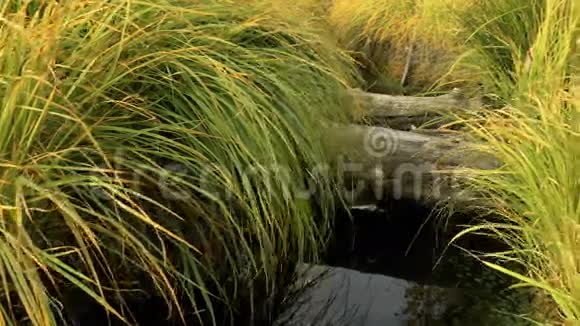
(377, 163)
(374, 105)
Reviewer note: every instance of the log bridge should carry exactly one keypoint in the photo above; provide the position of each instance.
(376, 162)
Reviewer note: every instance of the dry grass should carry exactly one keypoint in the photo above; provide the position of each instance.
(527, 53)
(390, 36)
(138, 142)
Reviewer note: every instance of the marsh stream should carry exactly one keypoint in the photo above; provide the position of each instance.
(393, 266)
(385, 266)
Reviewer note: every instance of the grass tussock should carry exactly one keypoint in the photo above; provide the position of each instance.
(403, 46)
(137, 145)
(527, 52)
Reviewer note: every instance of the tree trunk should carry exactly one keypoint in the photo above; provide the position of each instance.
(376, 163)
(388, 106)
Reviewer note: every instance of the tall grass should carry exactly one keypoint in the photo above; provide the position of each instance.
(129, 135)
(411, 38)
(526, 51)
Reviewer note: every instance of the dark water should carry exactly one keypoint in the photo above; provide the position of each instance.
(347, 297)
(385, 266)
(400, 241)
(405, 240)
(397, 267)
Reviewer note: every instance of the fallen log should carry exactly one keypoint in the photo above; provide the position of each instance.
(372, 105)
(376, 163)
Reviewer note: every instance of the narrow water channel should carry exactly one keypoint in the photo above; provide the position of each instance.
(394, 266)
(385, 266)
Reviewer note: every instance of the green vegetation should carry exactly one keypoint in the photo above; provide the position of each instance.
(110, 109)
(526, 50)
(161, 146)
(414, 40)
(523, 55)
